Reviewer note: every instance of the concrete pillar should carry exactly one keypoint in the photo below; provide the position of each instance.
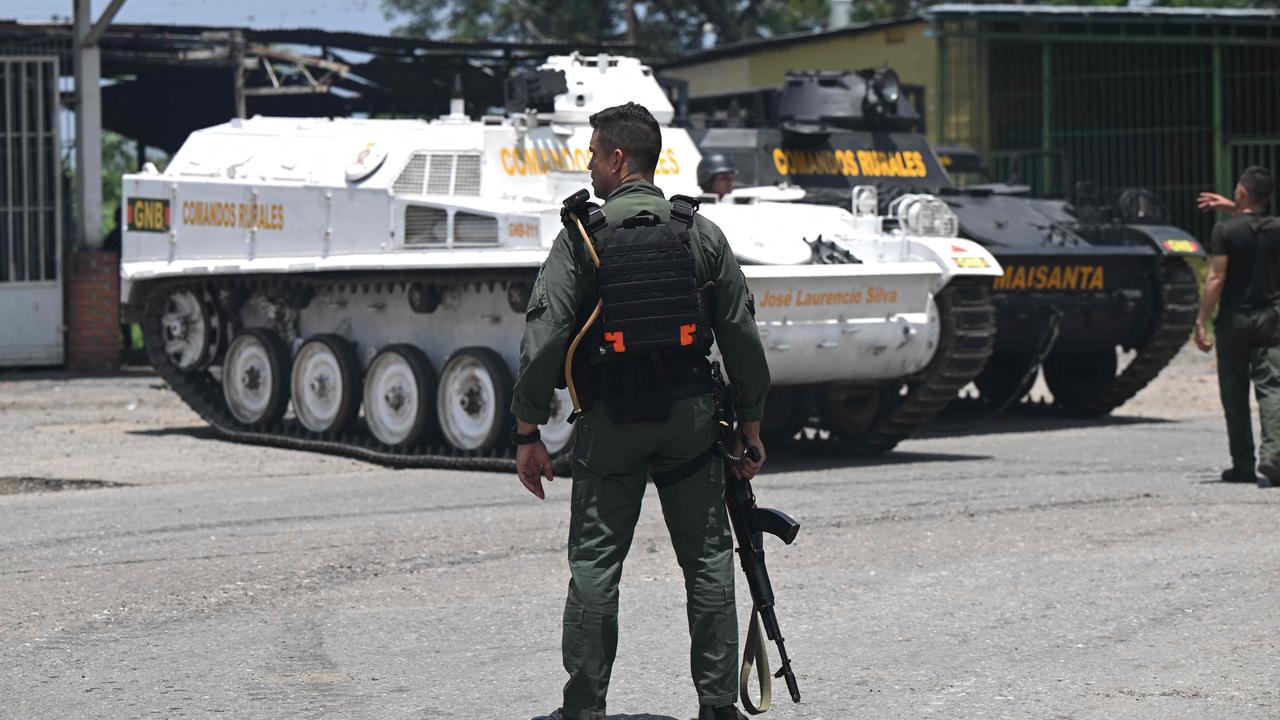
(88, 72)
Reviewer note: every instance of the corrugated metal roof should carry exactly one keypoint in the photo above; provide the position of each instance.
(363, 42)
(1179, 15)
(1193, 14)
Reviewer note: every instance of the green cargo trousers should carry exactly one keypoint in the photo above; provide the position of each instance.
(611, 466)
(1248, 350)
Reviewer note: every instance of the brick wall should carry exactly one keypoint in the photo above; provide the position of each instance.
(93, 311)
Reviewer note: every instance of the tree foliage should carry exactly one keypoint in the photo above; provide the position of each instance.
(665, 29)
(662, 28)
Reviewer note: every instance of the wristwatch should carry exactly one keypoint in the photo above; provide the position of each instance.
(518, 439)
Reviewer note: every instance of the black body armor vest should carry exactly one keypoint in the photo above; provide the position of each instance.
(649, 346)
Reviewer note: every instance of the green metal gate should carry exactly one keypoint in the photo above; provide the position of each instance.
(1177, 104)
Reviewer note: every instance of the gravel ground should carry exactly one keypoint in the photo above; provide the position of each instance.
(1029, 568)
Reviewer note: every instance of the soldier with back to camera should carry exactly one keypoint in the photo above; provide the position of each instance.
(1244, 285)
(642, 373)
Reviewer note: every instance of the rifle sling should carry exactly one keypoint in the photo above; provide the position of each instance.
(755, 651)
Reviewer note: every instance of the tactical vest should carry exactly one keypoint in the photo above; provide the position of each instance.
(648, 348)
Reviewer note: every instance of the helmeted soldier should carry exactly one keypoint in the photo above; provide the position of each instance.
(667, 281)
(716, 174)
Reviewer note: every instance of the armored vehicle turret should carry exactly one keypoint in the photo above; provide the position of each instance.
(359, 286)
(1081, 277)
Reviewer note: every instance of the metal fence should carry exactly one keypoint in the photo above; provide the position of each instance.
(1174, 114)
(31, 226)
(32, 211)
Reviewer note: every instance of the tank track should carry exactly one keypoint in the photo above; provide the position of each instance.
(202, 392)
(1171, 329)
(965, 342)
(1179, 303)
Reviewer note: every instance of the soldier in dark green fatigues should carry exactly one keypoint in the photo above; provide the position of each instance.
(613, 461)
(1244, 286)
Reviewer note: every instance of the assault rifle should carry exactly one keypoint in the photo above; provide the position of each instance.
(750, 523)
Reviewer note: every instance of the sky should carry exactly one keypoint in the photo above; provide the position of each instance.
(353, 15)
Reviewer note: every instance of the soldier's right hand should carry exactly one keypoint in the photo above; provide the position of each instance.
(750, 431)
(533, 462)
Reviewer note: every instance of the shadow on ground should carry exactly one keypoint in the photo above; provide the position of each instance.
(961, 423)
(803, 460)
(38, 373)
(199, 432)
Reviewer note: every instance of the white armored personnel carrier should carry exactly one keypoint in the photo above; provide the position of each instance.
(359, 286)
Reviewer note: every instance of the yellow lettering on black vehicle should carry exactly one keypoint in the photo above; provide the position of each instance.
(1075, 278)
(851, 163)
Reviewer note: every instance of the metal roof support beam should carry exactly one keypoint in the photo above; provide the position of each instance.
(88, 72)
(1202, 40)
(99, 27)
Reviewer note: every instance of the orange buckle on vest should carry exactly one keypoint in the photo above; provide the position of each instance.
(687, 332)
(615, 337)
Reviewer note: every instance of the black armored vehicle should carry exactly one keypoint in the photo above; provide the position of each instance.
(1083, 275)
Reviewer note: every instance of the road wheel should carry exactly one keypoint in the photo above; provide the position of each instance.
(400, 396)
(786, 412)
(192, 330)
(326, 384)
(854, 412)
(474, 399)
(1077, 379)
(1003, 376)
(255, 378)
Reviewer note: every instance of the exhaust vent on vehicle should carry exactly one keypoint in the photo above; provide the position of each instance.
(480, 229)
(412, 177)
(439, 174)
(425, 226)
(467, 176)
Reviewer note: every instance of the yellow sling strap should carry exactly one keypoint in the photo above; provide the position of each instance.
(595, 314)
(755, 651)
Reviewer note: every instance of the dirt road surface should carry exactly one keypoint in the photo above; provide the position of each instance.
(1029, 568)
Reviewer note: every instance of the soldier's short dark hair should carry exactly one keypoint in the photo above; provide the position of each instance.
(1257, 181)
(632, 129)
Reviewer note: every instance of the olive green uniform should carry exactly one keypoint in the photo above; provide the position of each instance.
(612, 463)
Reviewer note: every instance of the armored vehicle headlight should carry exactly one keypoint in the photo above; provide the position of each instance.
(887, 90)
(926, 216)
(866, 202)
(887, 87)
